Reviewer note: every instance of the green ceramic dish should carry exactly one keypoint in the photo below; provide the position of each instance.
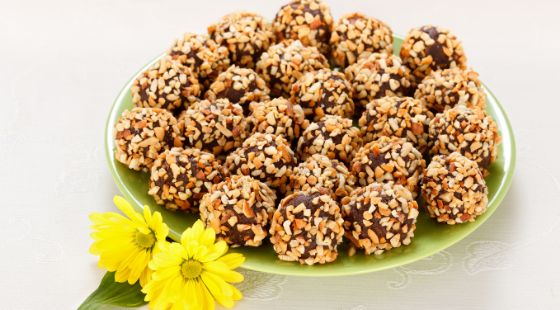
(430, 236)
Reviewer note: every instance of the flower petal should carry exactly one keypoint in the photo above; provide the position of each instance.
(236, 293)
(233, 277)
(190, 300)
(216, 250)
(208, 237)
(147, 215)
(209, 299)
(122, 204)
(223, 287)
(232, 260)
(216, 267)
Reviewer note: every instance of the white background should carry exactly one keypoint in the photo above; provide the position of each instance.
(64, 62)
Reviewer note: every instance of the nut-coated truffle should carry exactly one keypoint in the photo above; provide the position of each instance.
(266, 158)
(443, 89)
(323, 92)
(141, 134)
(309, 21)
(378, 76)
(469, 131)
(284, 63)
(388, 160)
(429, 48)
(168, 84)
(239, 85)
(357, 36)
(246, 35)
(320, 171)
(334, 137)
(278, 117)
(404, 118)
(454, 189)
(214, 126)
(202, 55)
(379, 217)
(239, 209)
(180, 177)
(307, 227)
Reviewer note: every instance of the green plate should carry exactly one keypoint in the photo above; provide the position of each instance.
(430, 236)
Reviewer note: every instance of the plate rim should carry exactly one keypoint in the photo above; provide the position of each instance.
(501, 191)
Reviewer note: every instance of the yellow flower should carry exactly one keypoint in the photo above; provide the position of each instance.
(127, 245)
(192, 274)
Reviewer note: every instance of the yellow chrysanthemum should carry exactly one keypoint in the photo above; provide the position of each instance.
(192, 274)
(126, 245)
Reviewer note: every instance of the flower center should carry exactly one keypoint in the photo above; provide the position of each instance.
(145, 240)
(191, 269)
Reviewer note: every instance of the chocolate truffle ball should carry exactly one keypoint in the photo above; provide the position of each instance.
(469, 131)
(239, 210)
(379, 217)
(454, 189)
(278, 117)
(284, 63)
(214, 126)
(309, 21)
(323, 92)
(320, 171)
(180, 177)
(168, 84)
(378, 76)
(404, 118)
(388, 160)
(141, 134)
(266, 158)
(443, 89)
(246, 35)
(239, 85)
(333, 137)
(202, 55)
(428, 48)
(357, 36)
(307, 227)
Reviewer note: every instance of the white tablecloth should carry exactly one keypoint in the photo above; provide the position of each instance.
(64, 62)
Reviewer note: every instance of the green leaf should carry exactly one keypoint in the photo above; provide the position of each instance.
(113, 293)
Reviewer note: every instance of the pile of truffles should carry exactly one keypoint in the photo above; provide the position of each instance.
(298, 133)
